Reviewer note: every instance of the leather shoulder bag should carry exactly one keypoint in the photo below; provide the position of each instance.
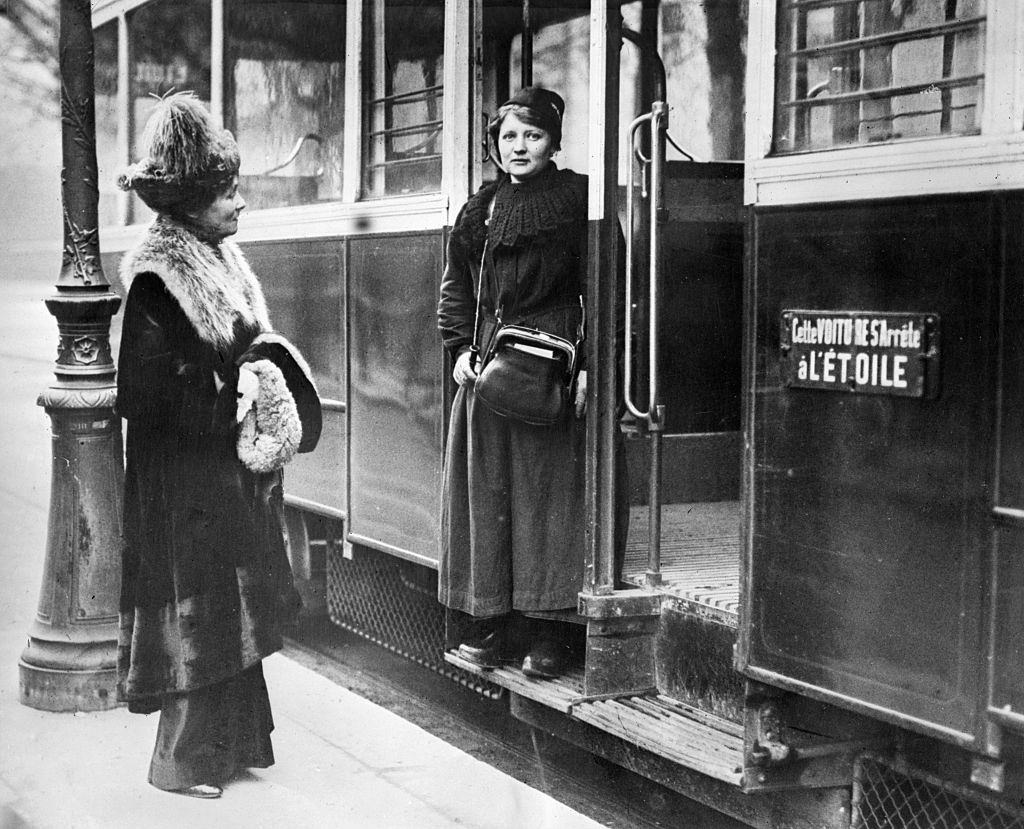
(525, 373)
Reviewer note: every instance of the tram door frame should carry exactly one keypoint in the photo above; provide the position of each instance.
(602, 146)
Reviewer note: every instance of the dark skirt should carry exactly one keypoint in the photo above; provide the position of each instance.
(210, 734)
(512, 526)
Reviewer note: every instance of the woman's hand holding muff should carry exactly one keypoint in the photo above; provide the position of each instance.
(248, 388)
(581, 394)
(463, 371)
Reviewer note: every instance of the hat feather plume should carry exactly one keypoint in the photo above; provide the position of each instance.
(180, 136)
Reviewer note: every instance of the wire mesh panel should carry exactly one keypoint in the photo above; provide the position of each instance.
(393, 603)
(889, 796)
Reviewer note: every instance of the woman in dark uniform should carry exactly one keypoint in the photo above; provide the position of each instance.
(513, 511)
(214, 404)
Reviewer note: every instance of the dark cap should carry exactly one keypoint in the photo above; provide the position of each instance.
(546, 106)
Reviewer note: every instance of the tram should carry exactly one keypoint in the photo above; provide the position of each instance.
(820, 617)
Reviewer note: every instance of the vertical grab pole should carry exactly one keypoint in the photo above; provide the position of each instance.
(602, 281)
(526, 52)
(628, 345)
(656, 412)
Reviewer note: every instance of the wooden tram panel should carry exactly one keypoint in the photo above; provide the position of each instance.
(396, 419)
(304, 284)
(869, 514)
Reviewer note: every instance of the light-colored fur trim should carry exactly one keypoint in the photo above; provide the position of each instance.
(271, 431)
(212, 290)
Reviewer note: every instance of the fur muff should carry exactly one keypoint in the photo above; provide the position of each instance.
(271, 431)
(298, 376)
(214, 286)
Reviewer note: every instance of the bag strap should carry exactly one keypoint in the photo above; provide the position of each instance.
(581, 329)
(480, 278)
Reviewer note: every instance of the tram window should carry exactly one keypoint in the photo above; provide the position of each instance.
(703, 46)
(403, 95)
(853, 72)
(108, 159)
(284, 93)
(170, 51)
(561, 44)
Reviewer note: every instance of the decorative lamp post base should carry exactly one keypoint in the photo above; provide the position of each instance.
(70, 663)
(50, 689)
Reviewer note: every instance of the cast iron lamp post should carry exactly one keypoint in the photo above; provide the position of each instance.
(70, 661)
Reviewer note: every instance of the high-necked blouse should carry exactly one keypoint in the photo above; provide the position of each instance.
(532, 238)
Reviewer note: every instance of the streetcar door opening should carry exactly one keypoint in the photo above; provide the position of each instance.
(684, 218)
(699, 355)
(701, 251)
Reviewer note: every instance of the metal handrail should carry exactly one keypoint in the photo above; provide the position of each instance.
(309, 136)
(657, 114)
(399, 162)
(654, 412)
(883, 93)
(630, 186)
(413, 96)
(893, 38)
(434, 127)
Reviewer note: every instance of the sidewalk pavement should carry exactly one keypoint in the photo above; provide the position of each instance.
(341, 760)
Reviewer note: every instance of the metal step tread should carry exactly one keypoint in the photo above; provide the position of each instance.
(664, 726)
(700, 555)
(709, 744)
(559, 694)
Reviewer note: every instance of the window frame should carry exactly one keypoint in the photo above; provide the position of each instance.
(351, 214)
(987, 160)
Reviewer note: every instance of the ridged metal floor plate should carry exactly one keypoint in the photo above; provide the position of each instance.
(700, 554)
(559, 693)
(695, 739)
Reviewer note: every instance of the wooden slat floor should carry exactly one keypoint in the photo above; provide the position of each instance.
(670, 728)
(700, 554)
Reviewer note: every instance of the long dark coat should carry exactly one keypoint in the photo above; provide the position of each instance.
(513, 521)
(206, 583)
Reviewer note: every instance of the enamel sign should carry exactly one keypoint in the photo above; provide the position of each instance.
(861, 352)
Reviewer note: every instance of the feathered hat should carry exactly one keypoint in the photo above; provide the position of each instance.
(187, 158)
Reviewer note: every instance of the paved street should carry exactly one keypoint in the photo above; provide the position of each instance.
(341, 760)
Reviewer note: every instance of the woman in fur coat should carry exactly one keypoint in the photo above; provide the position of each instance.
(214, 406)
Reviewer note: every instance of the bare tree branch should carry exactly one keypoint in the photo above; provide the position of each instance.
(30, 68)
(36, 21)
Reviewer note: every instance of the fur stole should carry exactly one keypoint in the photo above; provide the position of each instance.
(213, 284)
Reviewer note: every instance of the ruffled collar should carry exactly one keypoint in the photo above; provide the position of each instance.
(525, 212)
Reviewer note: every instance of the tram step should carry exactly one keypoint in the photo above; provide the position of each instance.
(669, 728)
(700, 741)
(559, 694)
